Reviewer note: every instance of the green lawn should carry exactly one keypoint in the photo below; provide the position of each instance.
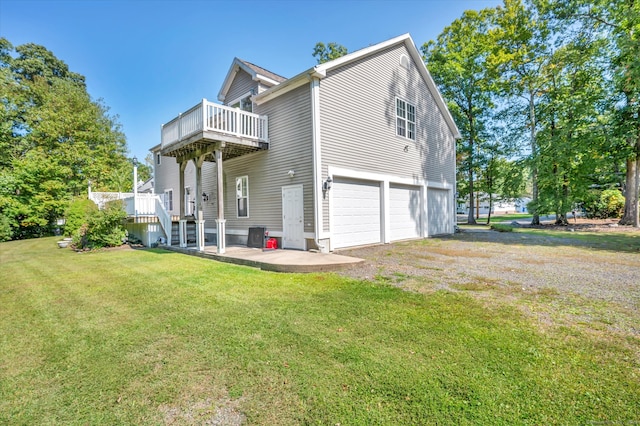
(152, 337)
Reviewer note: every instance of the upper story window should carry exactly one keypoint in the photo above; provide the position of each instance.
(158, 159)
(405, 119)
(244, 103)
(242, 196)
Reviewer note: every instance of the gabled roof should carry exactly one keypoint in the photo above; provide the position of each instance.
(257, 73)
(320, 71)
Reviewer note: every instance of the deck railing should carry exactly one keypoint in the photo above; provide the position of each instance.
(210, 117)
(144, 204)
(137, 205)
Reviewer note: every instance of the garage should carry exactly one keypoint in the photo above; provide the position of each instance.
(439, 211)
(356, 213)
(405, 209)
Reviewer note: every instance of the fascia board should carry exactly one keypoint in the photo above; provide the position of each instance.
(226, 84)
(288, 85)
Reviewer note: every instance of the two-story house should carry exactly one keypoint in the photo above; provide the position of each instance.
(359, 150)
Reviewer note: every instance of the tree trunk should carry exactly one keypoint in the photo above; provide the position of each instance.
(534, 155)
(630, 216)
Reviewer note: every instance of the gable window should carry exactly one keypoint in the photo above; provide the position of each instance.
(242, 196)
(168, 199)
(405, 119)
(244, 103)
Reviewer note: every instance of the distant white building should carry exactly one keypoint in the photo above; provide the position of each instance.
(518, 205)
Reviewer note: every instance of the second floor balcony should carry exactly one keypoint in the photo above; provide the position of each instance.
(208, 126)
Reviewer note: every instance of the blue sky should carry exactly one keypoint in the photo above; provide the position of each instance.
(150, 60)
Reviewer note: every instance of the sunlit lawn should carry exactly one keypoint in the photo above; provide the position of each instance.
(149, 337)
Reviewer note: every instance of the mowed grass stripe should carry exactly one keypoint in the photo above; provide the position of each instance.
(137, 336)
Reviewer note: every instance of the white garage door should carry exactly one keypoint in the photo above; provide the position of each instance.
(404, 212)
(356, 215)
(439, 212)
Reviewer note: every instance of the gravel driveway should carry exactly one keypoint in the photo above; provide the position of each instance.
(507, 265)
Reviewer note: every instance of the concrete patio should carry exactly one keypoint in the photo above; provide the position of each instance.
(274, 260)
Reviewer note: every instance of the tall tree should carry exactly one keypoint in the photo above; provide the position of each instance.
(617, 21)
(457, 61)
(522, 42)
(54, 139)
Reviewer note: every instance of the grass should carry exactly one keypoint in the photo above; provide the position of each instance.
(501, 227)
(151, 337)
(617, 241)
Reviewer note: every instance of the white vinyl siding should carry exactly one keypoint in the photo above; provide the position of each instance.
(356, 213)
(405, 209)
(359, 126)
(289, 149)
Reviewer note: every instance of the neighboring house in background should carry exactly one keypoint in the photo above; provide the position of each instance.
(518, 205)
(359, 150)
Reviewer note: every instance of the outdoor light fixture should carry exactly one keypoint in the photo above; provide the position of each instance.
(291, 173)
(327, 184)
(205, 197)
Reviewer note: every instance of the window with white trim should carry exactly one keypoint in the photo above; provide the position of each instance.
(168, 199)
(158, 159)
(242, 196)
(405, 119)
(244, 103)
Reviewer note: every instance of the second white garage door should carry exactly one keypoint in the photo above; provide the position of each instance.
(355, 218)
(405, 209)
(439, 211)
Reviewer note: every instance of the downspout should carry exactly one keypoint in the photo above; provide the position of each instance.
(317, 164)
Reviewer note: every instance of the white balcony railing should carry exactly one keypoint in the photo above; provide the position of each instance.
(210, 117)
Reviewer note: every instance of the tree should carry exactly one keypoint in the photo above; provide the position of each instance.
(54, 139)
(522, 42)
(325, 53)
(616, 21)
(457, 61)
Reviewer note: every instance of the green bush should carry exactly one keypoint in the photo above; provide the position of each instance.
(103, 229)
(604, 204)
(5, 228)
(77, 214)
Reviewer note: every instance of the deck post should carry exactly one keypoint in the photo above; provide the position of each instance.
(199, 216)
(183, 232)
(220, 221)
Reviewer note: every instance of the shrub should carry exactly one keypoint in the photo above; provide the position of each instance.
(604, 204)
(77, 214)
(6, 233)
(103, 229)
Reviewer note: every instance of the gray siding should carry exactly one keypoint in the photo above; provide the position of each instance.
(358, 122)
(167, 176)
(290, 148)
(242, 84)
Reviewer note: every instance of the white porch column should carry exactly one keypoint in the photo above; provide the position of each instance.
(220, 221)
(183, 232)
(221, 228)
(200, 234)
(198, 207)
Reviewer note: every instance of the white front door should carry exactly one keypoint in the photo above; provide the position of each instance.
(293, 217)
